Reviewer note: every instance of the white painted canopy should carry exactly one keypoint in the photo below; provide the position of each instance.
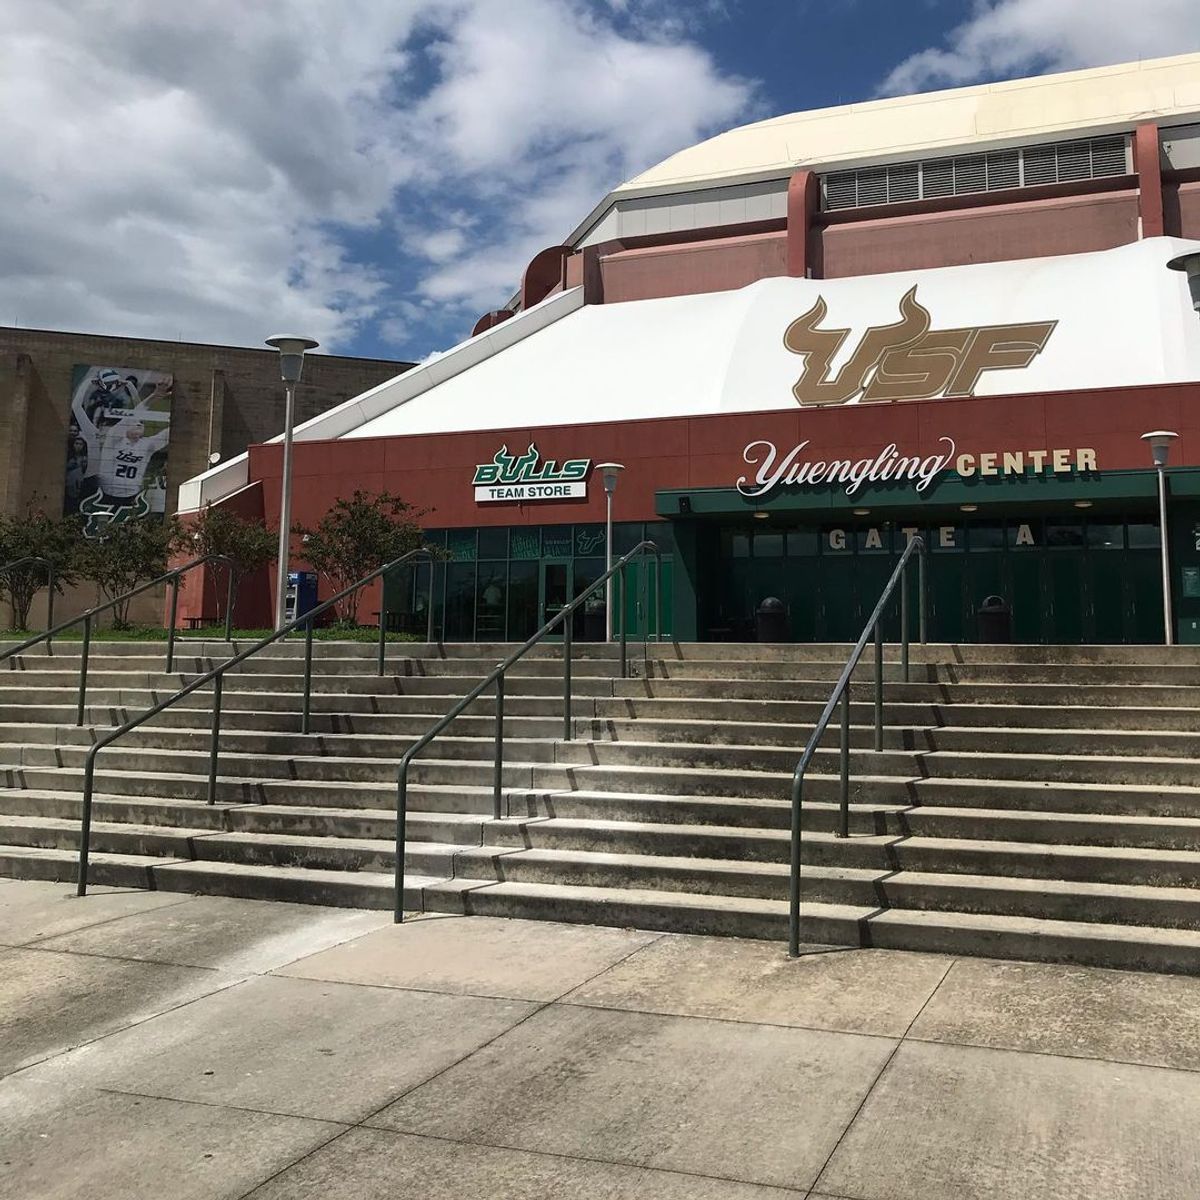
(1121, 319)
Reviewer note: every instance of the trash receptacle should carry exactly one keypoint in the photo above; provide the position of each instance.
(995, 620)
(594, 623)
(771, 621)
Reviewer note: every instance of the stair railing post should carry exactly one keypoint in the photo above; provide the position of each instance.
(214, 746)
(85, 828)
(498, 766)
(844, 813)
(644, 613)
(308, 648)
(878, 686)
(429, 617)
(401, 833)
(171, 621)
(51, 580)
(229, 601)
(658, 617)
(794, 876)
(922, 595)
(380, 656)
(904, 622)
(624, 635)
(83, 666)
(567, 721)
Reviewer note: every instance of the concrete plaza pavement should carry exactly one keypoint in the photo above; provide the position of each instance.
(159, 1045)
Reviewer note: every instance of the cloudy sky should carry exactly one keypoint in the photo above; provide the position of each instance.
(378, 172)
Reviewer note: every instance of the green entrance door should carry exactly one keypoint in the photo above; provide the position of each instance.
(554, 589)
(562, 580)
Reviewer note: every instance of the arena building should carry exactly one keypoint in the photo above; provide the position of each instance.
(806, 339)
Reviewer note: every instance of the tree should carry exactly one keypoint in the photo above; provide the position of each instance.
(35, 534)
(130, 553)
(355, 537)
(249, 545)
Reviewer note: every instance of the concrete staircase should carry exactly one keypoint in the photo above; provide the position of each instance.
(1030, 802)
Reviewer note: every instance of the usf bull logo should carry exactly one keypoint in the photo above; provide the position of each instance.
(907, 360)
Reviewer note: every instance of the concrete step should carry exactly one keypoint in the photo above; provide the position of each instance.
(995, 935)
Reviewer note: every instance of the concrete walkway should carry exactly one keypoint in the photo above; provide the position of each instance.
(165, 1046)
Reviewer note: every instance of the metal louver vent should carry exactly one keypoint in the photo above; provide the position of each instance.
(1109, 157)
(841, 190)
(993, 171)
(904, 182)
(1041, 165)
(1003, 170)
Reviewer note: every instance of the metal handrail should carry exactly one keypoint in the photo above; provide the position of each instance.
(216, 677)
(173, 576)
(841, 692)
(496, 676)
(38, 560)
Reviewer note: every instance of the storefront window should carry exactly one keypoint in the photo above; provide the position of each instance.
(493, 543)
(522, 600)
(460, 602)
(589, 539)
(1105, 537)
(737, 545)
(986, 536)
(1023, 535)
(1060, 536)
(801, 543)
(874, 540)
(627, 534)
(489, 602)
(556, 541)
(836, 540)
(768, 545)
(461, 544)
(1143, 536)
(526, 543)
(944, 539)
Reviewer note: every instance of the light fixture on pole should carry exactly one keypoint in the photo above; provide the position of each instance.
(291, 362)
(1160, 441)
(609, 473)
(1189, 264)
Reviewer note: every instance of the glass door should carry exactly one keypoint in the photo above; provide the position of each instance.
(556, 589)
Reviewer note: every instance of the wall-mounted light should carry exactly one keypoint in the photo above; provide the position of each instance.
(968, 508)
(1189, 264)
(861, 512)
(1083, 504)
(761, 516)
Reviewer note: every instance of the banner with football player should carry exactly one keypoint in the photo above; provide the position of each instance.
(117, 440)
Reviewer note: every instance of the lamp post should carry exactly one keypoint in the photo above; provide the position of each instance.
(1160, 447)
(291, 362)
(609, 473)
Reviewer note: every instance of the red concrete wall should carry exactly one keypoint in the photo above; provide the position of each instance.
(693, 268)
(202, 592)
(1181, 204)
(995, 233)
(435, 470)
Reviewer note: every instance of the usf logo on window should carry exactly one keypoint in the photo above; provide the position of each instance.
(907, 360)
(527, 477)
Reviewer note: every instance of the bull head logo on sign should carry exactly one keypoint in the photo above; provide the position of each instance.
(907, 360)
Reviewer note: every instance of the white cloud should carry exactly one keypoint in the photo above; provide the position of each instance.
(217, 168)
(1005, 38)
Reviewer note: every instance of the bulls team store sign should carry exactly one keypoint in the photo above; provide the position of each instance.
(516, 478)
